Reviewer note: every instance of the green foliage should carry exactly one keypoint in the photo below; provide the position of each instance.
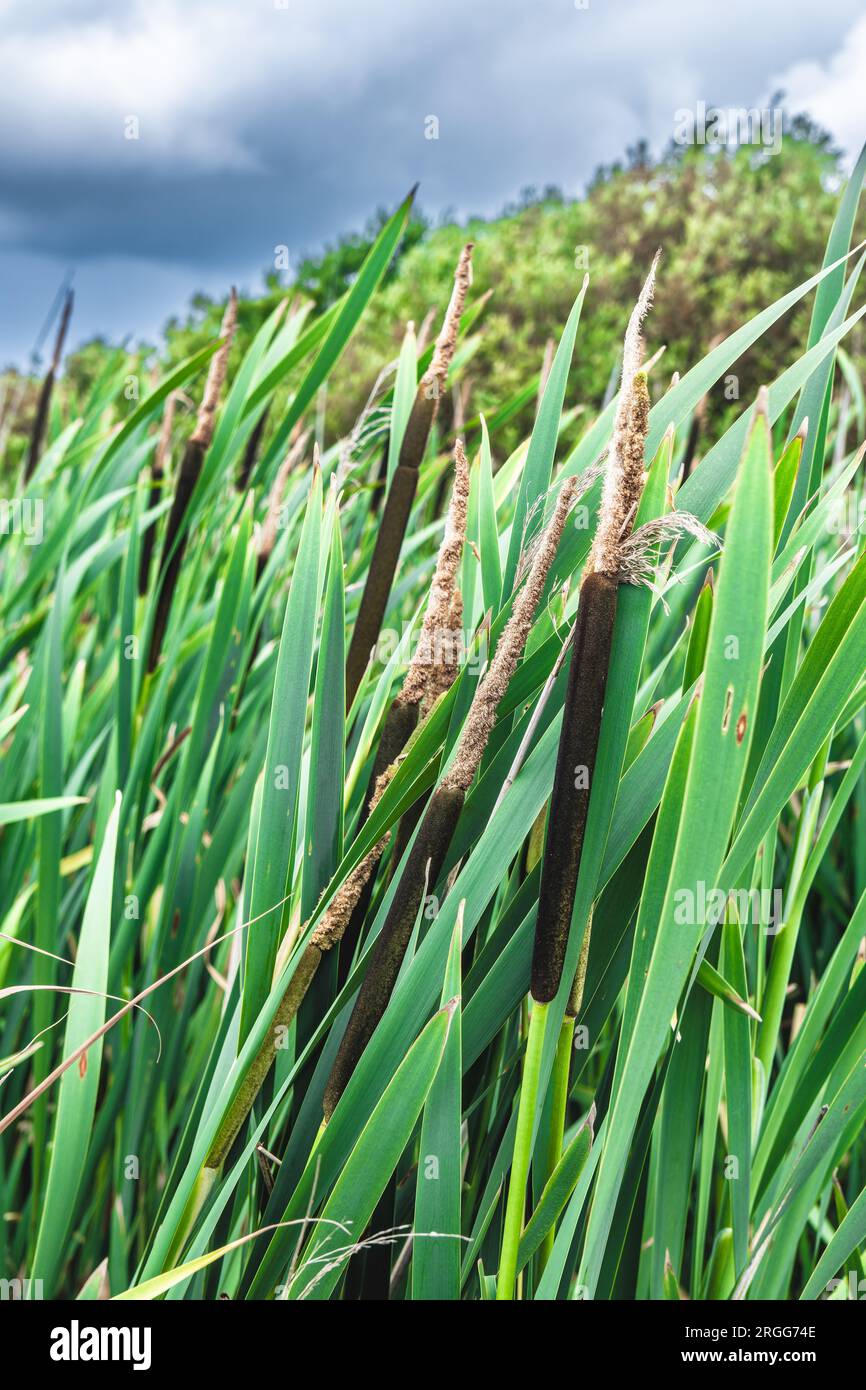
(170, 840)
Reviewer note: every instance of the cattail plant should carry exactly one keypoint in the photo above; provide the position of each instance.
(401, 494)
(267, 537)
(157, 476)
(228, 889)
(439, 821)
(44, 404)
(578, 744)
(429, 675)
(327, 934)
(590, 657)
(435, 660)
(251, 452)
(378, 489)
(431, 672)
(174, 543)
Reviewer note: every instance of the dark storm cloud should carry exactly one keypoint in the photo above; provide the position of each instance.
(261, 125)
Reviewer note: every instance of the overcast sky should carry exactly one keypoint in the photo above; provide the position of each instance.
(270, 122)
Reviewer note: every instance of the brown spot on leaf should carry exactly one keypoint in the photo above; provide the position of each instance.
(82, 1064)
(741, 727)
(726, 717)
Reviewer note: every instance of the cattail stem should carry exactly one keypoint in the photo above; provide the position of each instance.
(157, 475)
(422, 867)
(558, 1107)
(431, 672)
(242, 481)
(44, 404)
(401, 721)
(265, 1057)
(578, 746)
(559, 1078)
(443, 810)
(383, 567)
(526, 1119)
(590, 660)
(514, 1210)
(401, 494)
(174, 544)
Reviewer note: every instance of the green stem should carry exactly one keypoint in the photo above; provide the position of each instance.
(779, 973)
(558, 1105)
(522, 1154)
(204, 1184)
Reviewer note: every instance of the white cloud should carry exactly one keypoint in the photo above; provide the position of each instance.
(832, 91)
(70, 86)
(215, 83)
(200, 75)
(262, 125)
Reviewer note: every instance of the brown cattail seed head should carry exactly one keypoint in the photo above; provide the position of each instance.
(509, 649)
(624, 475)
(203, 432)
(337, 915)
(443, 352)
(164, 443)
(434, 659)
(633, 452)
(61, 331)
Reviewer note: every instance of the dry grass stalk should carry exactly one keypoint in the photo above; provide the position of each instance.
(41, 418)
(443, 352)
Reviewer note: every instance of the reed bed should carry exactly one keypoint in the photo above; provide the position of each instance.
(432, 872)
